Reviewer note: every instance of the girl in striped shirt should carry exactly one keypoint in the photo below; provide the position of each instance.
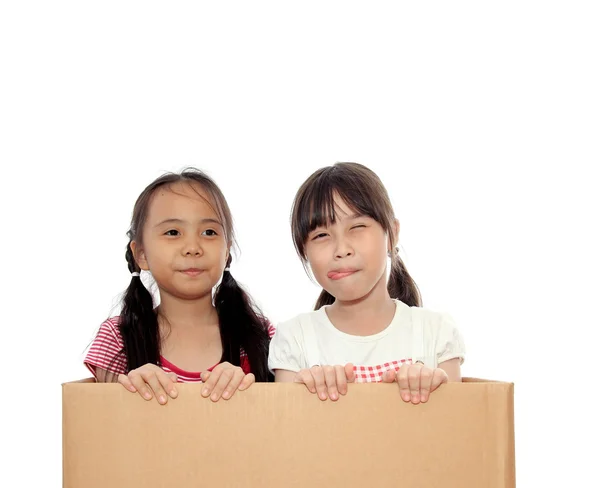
(182, 233)
(365, 328)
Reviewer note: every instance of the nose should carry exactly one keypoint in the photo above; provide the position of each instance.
(343, 249)
(192, 247)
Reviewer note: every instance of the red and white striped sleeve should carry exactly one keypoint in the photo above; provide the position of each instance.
(106, 352)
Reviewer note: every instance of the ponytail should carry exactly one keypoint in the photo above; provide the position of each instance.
(325, 298)
(401, 285)
(242, 327)
(139, 324)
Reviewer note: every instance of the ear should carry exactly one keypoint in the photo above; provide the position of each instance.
(395, 236)
(139, 255)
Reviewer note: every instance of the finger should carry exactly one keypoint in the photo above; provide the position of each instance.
(414, 381)
(225, 377)
(140, 385)
(426, 379)
(331, 382)
(439, 378)
(167, 382)
(320, 385)
(210, 379)
(152, 379)
(340, 379)
(402, 378)
(350, 374)
(389, 376)
(303, 376)
(248, 380)
(126, 382)
(234, 383)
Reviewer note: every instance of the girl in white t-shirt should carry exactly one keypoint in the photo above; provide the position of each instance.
(364, 327)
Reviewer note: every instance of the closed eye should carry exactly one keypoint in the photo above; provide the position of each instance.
(358, 226)
(319, 236)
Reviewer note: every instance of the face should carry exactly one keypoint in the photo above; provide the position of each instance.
(349, 258)
(183, 241)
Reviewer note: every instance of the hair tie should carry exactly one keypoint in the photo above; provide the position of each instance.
(226, 269)
(135, 273)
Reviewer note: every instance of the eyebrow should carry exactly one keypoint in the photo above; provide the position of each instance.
(179, 221)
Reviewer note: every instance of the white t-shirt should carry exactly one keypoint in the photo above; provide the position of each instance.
(415, 334)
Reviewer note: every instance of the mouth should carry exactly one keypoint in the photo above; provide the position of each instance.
(339, 274)
(192, 271)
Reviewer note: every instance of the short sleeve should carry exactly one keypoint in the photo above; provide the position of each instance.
(106, 352)
(285, 351)
(449, 343)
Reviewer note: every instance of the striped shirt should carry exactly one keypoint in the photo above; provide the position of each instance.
(106, 352)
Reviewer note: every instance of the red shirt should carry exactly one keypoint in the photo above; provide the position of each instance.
(106, 353)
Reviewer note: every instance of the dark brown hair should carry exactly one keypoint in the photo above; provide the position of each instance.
(241, 324)
(362, 190)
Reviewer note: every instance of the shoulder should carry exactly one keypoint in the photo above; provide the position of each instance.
(109, 331)
(433, 321)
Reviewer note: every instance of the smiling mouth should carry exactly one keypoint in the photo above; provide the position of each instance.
(338, 275)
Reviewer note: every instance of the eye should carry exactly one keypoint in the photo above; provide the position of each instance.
(209, 233)
(319, 236)
(359, 226)
(172, 233)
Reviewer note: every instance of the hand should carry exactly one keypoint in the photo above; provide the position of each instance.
(327, 380)
(148, 379)
(416, 381)
(224, 380)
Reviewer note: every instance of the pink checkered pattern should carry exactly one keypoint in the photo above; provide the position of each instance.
(374, 374)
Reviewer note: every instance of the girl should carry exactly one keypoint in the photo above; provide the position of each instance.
(344, 228)
(182, 232)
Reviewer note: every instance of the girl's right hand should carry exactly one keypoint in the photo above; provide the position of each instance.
(327, 380)
(148, 379)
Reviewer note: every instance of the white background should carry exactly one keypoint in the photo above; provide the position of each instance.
(481, 118)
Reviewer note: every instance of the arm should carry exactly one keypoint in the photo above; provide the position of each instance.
(284, 376)
(452, 369)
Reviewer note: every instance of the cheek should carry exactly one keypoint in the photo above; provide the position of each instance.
(316, 261)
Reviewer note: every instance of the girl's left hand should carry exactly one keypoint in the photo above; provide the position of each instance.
(416, 381)
(224, 380)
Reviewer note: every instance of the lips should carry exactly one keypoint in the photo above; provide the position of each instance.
(192, 271)
(338, 274)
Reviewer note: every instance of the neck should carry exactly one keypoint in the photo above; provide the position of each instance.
(179, 312)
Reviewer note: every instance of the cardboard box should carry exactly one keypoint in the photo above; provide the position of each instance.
(279, 435)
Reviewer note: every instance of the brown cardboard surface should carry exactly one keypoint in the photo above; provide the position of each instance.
(279, 435)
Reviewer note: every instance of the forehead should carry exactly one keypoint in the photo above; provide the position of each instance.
(185, 200)
(341, 209)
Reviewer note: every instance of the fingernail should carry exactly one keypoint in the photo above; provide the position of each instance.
(162, 399)
(147, 396)
(214, 397)
(225, 394)
(173, 393)
(205, 392)
(415, 398)
(405, 397)
(322, 396)
(334, 396)
(423, 398)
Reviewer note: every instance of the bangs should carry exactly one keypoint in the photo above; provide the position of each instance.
(316, 207)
